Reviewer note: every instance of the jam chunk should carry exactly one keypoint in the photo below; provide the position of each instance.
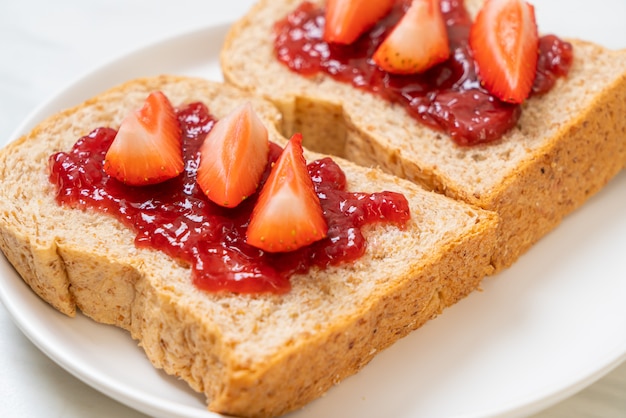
(176, 217)
(448, 97)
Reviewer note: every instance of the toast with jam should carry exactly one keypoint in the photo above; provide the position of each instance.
(465, 118)
(88, 233)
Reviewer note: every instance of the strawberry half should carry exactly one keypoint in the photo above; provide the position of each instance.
(147, 148)
(505, 43)
(346, 20)
(417, 42)
(233, 157)
(288, 214)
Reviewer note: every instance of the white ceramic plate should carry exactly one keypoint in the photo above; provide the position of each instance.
(552, 324)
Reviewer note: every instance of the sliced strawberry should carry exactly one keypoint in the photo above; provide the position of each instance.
(147, 147)
(288, 214)
(346, 20)
(417, 42)
(233, 157)
(505, 44)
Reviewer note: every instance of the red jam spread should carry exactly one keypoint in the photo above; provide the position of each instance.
(176, 217)
(448, 97)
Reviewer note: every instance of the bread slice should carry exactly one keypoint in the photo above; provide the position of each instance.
(259, 355)
(568, 144)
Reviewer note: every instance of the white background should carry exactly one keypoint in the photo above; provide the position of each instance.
(45, 45)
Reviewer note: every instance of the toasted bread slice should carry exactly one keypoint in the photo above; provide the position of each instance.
(568, 143)
(239, 350)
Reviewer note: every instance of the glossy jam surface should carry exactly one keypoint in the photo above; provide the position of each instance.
(176, 218)
(448, 97)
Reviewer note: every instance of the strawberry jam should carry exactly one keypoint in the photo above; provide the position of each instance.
(448, 97)
(176, 217)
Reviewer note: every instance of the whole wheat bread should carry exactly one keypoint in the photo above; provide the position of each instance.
(237, 349)
(567, 145)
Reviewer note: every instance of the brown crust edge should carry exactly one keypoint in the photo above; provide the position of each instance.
(421, 295)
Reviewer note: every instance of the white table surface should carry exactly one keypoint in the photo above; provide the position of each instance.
(44, 46)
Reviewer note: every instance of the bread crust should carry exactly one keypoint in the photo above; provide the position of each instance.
(251, 355)
(568, 144)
